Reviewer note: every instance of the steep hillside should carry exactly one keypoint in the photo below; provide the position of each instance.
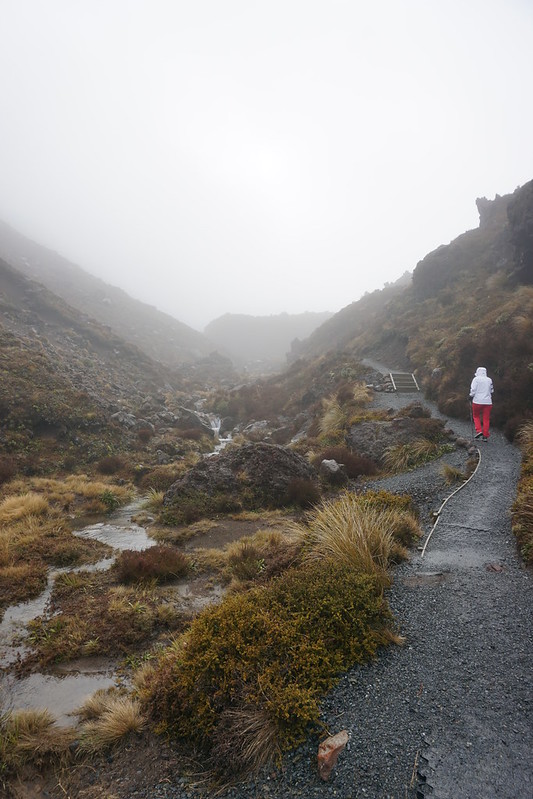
(159, 335)
(339, 332)
(63, 377)
(470, 303)
(265, 340)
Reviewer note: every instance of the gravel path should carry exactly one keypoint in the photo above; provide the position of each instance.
(449, 714)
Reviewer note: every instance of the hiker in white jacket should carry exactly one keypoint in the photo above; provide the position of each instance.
(481, 392)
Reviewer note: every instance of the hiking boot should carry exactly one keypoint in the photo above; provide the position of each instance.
(478, 435)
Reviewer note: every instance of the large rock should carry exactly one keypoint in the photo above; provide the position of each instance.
(190, 420)
(255, 475)
(333, 473)
(372, 439)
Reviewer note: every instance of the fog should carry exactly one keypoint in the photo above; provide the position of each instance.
(213, 156)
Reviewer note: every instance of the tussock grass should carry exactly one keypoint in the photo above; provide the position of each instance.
(74, 488)
(154, 499)
(333, 419)
(452, 474)
(360, 536)
(110, 719)
(30, 736)
(524, 437)
(402, 457)
(522, 512)
(246, 740)
(22, 506)
(361, 395)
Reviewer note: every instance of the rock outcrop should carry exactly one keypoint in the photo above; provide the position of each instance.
(254, 475)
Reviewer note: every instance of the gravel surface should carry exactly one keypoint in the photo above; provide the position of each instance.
(449, 714)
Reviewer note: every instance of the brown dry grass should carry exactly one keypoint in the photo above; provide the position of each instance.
(110, 719)
(362, 537)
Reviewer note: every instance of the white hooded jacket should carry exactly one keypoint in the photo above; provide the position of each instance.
(481, 389)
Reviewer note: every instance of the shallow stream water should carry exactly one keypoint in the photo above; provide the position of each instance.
(70, 684)
(68, 687)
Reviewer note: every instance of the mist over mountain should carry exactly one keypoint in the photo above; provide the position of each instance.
(265, 340)
(159, 335)
(469, 303)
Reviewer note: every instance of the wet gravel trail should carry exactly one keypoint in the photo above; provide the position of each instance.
(449, 714)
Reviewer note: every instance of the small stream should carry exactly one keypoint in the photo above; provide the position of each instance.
(69, 685)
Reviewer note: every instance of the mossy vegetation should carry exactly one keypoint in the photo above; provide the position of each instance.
(268, 654)
(522, 515)
(35, 533)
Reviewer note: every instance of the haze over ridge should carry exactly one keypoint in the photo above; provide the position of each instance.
(232, 158)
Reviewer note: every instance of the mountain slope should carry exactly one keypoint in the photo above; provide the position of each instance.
(262, 338)
(62, 376)
(470, 303)
(159, 335)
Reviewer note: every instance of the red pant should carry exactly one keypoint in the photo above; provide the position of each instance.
(481, 414)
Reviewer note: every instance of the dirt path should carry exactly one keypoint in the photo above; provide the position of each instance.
(448, 715)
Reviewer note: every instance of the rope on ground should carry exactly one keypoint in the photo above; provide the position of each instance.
(446, 500)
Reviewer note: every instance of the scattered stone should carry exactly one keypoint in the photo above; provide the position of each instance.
(333, 473)
(329, 751)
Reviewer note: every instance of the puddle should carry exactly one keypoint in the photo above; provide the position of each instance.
(196, 596)
(61, 695)
(16, 617)
(120, 531)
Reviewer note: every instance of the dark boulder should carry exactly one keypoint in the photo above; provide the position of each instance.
(254, 475)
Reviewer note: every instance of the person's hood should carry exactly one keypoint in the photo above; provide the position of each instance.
(481, 371)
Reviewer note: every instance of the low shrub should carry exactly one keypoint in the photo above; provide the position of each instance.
(522, 512)
(354, 464)
(159, 478)
(111, 464)
(160, 563)
(302, 493)
(192, 434)
(247, 676)
(144, 434)
(195, 505)
(8, 469)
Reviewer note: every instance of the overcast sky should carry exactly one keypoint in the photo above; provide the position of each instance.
(259, 156)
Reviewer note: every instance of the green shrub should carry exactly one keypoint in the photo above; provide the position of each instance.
(110, 500)
(270, 653)
(195, 505)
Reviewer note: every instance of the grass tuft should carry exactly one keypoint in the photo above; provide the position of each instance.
(15, 508)
(402, 457)
(114, 718)
(452, 474)
(160, 563)
(360, 536)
